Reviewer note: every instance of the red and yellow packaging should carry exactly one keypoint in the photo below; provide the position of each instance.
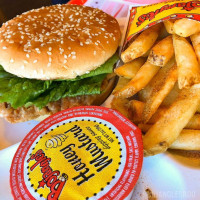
(80, 153)
(144, 17)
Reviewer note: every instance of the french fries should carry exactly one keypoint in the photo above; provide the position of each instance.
(130, 69)
(166, 130)
(141, 44)
(194, 122)
(162, 52)
(186, 27)
(121, 105)
(188, 66)
(170, 98)
(121, 82)
(162, 96)
(160, 89)
(136, 108)
(141, 79)
(196, 44)
(187, 140)
(169, 25)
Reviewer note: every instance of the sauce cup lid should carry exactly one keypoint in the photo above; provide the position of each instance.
(88, 152)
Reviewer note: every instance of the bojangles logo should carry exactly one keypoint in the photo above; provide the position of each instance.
(52, 179)
(187, 6)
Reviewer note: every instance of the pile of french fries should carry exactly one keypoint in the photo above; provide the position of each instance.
(159, 85)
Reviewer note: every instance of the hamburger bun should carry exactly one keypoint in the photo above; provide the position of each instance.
(58, 42)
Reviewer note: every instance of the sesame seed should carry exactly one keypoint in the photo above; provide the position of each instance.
(49, 53)
(25, 61)
(27, 55)
(65, 61)
(35, 61)
(73, 57)
(4, 47)
(49, 64)
(95, 52)
(22, 67)
(11, 60)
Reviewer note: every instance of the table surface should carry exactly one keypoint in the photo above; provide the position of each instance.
(11, 8)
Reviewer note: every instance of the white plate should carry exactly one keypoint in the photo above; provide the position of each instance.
(168, 176)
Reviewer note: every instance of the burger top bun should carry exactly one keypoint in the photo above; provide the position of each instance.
(58, 42)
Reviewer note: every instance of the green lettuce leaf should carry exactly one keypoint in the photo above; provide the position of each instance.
(25, 92)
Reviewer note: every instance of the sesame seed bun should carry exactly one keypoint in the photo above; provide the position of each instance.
(58, 42)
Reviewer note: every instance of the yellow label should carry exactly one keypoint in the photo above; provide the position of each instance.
(79, 159)
(145, 16)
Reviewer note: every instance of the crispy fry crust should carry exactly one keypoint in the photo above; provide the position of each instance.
(166, 130)
(129, 70)
(187, 140)
(169, 25)
(141, 79)
(161, 85)
(141, 44)
(162, 52)
(196, 44)
(186, 27)
(188, 66)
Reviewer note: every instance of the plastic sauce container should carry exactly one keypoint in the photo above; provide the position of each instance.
(81, 153)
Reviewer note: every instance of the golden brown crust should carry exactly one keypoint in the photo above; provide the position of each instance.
(58, 42)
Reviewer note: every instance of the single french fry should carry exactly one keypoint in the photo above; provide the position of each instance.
(161, 86)
(121, 105)
(162, 52)
(136, 108)
(170, 98)
(194, 123)
(121, 83)
(187, 140)
(163, 33)
(141, 79)
(188, 66)
(144, 94)
(198, 109)
(166, 130)
(169, 25)
(141, 44)
(196, 44)
(186, 27)
(144, 127)
(157, 115)
(130, 69)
